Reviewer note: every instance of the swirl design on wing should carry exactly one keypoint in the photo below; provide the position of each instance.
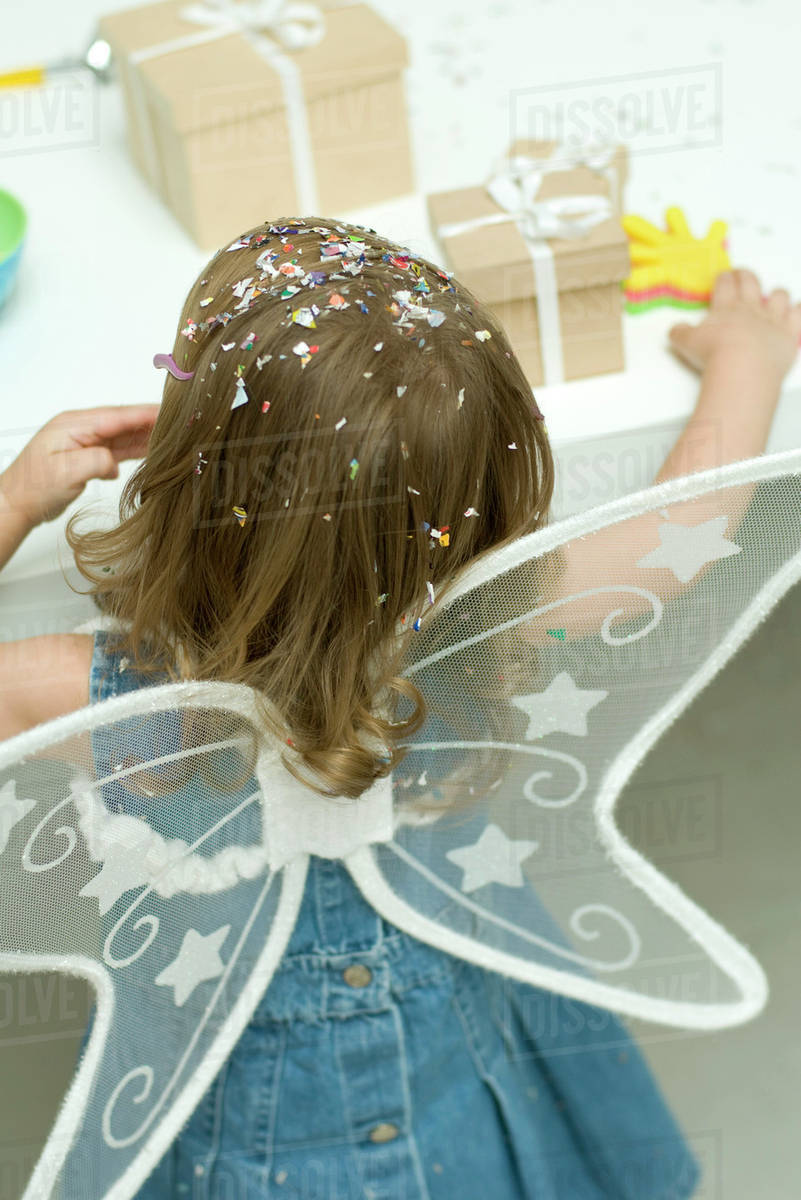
(66, 831)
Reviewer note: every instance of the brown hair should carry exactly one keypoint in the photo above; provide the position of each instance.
(312, 486)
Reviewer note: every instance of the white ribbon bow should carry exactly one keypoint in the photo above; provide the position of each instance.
(292, 23)
(514, 188)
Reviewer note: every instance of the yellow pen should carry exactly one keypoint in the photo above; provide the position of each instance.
(97, 59)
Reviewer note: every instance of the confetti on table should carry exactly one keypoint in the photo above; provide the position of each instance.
(378, 346)
(208, 300)
(240, 513)
(228, 345)
(430, 590)
(401, 389)
(483, 335)
(262, 360)
(512, 446)
(342, 421)
(265, 406)
(461, 398)
(354, 467)
(382, 598)
(471, 512)
(435, 317)
(248, 342)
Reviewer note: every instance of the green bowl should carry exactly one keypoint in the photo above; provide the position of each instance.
(13, 222)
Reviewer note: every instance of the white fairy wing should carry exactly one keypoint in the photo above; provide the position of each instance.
(155, 845)
(133, 854)
(549, 671)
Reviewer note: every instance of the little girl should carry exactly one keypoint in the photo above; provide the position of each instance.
(330, 400)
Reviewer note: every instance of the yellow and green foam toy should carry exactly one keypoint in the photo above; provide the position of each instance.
(670, 266)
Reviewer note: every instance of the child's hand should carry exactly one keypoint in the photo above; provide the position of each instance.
(72, 448)
(744, 326)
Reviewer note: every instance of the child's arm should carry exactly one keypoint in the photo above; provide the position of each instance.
(44, 677)
(743, 348)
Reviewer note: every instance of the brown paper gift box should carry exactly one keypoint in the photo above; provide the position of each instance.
(221, 154)
(494, 263)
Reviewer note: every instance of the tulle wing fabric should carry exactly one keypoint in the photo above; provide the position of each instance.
(549, 671)
(156, 845)
(133, 853)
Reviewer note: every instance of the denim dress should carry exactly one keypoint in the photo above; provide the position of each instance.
(380, 1068)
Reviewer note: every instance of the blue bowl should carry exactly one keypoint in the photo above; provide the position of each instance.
(12, 236)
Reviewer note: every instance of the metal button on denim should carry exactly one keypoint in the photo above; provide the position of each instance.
(384, 1132)
(357, 975)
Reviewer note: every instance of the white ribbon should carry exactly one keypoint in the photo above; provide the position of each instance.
(272, 27)
(514, 188)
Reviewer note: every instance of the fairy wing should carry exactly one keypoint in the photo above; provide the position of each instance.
(155, 844)
(135, 853)
(549, 671)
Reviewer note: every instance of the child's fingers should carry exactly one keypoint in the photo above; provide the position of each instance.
(778, 302)
(133, 444)
(794, 318)
(724, 292)
(748, 285)
(85, 426)
(681, 338)
(77, 467)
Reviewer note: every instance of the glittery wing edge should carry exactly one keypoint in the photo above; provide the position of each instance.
(65, 1132)
(722, 949)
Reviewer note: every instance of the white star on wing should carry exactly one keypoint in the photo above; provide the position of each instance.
(122, 870)
(494, 858)
(561, 708)
(12, 810)
(687, 548)
(198, 960)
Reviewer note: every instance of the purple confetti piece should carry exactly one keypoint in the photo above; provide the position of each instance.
(167, 361)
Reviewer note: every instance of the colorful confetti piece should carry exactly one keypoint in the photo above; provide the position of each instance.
(240, 394)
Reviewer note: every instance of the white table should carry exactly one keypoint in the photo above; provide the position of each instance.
(106, 267)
